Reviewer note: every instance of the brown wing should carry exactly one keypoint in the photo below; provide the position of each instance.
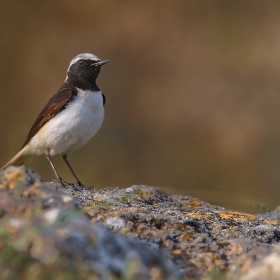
(56, 104)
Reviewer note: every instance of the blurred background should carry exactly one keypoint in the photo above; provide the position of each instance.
(192, 88)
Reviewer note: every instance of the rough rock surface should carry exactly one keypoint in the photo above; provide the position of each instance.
(199, 237)
(149, 235)
(44, 235)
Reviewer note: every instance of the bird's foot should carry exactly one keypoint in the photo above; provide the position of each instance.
(84, 186)
(63, 183)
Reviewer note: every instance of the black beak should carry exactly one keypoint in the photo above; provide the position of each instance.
(99, 63)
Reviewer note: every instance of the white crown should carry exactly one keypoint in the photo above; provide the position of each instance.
(83, 56)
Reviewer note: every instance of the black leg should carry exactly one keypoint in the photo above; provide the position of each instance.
(73, 173)
(47, 154)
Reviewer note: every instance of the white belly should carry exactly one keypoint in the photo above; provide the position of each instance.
(72, 128)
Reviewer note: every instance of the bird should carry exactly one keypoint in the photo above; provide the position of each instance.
(71, 117)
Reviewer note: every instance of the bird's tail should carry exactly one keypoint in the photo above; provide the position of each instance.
(18, 159)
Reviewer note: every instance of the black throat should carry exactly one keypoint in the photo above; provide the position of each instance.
(74, 81)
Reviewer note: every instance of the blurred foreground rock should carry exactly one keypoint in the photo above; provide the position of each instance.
(135, 233)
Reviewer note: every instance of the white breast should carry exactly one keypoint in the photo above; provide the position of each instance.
(73, 127)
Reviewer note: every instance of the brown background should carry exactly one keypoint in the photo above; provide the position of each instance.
(192, 87)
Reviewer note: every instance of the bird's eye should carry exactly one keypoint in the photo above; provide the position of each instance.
(81, 62)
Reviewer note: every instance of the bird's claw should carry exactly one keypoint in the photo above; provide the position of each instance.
(63, 183)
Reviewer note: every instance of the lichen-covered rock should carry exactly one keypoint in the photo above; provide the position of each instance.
(44, 235)
(135, 233)
(198, 236)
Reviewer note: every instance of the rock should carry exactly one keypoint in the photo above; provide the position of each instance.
(266, 268)
(198, 237)
(134, 233)
(192, 231)
(44, 233)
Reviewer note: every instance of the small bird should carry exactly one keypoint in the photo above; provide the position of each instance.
(71, 117)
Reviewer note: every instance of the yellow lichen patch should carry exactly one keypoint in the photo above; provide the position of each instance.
(26, 193)
(235, 215)
(32, 191)
(194, 202)
(176, 252)
(12, 179)
(232, 228)
(186, 237)
(271, 223)
(199, 215)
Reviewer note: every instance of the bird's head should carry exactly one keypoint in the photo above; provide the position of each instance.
(84, 68)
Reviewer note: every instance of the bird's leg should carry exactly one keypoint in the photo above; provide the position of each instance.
(47, 154)
(72, 171)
